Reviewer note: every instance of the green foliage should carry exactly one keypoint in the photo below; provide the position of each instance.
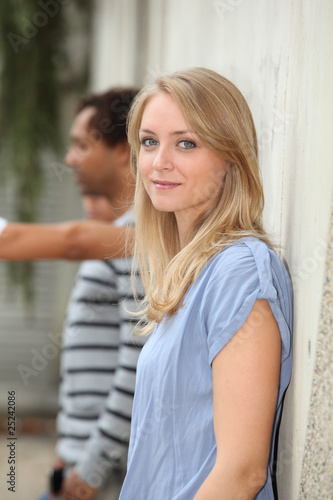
(32, 58)
(29, 96)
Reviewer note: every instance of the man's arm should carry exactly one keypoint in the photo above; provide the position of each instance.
(77, 240)
(108, 445)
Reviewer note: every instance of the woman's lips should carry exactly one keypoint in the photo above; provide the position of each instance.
(165, 185)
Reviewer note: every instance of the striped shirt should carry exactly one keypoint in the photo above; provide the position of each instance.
(98, 368)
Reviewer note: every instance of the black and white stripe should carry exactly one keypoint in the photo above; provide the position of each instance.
(98, 366)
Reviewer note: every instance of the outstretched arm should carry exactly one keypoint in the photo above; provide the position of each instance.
(245, 387)
(78, 240)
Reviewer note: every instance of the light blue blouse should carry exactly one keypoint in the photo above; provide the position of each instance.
(172, 446)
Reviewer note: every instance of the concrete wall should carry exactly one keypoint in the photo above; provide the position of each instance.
(317, 470)
(279, 54)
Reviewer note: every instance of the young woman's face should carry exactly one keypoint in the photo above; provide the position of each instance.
(180, 174)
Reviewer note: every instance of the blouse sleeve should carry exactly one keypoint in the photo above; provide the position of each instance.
(239, 276)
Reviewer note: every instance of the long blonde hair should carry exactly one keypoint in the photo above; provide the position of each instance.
(220, 116)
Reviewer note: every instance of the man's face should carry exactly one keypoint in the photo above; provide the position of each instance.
(96, 164)
(98, 208)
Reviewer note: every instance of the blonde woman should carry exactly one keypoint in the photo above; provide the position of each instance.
(218, 307)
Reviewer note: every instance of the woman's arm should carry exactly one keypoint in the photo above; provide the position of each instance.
(245, 387)
(78, 240)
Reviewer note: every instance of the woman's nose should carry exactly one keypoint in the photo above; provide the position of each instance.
(163, 159)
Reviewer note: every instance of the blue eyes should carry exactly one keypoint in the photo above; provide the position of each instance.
(149, 142)
(187, 144)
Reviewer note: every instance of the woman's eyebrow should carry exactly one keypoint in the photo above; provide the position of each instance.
(146, 131)
(182, 132)
(176, 132)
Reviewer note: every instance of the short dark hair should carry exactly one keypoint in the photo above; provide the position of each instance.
(112, 108)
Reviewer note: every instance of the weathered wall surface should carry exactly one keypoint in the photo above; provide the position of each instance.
(279, 54)
(317, 471)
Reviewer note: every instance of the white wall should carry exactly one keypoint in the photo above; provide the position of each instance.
(279, 53)
(113, 44)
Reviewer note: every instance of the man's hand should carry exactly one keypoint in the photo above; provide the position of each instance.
(76, 489)
(58, 463)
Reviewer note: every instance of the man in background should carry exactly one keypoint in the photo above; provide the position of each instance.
(98, 366)
(99, 155)
(99, 357)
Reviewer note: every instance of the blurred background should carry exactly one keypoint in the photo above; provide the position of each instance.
(280, 55)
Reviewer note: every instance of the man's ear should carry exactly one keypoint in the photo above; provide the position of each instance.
(123, 150)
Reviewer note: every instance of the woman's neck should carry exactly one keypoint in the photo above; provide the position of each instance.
(184, 230)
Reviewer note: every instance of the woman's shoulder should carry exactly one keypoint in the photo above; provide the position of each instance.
(247, 249)
(249, 256)
(245, 271)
